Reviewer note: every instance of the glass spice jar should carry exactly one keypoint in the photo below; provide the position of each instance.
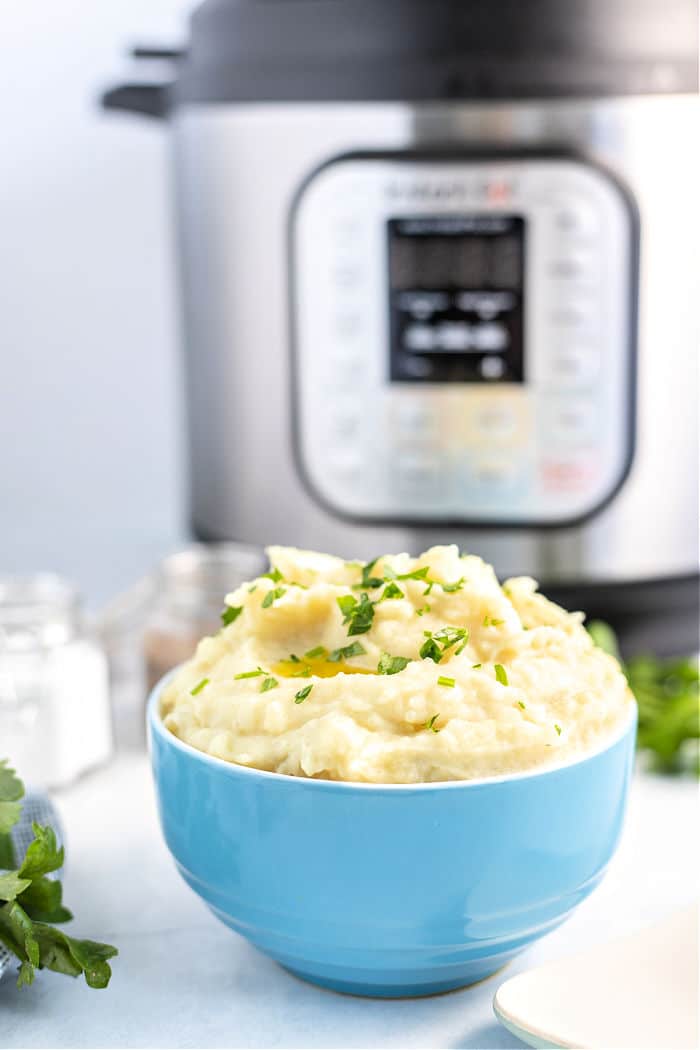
(55, 720)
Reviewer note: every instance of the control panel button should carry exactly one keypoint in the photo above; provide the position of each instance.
(574, 217)
(572, 366)
(418, 473)
(413, 420)
(567, 475)
(574, 267)
(572, 421)
(348, 324)
(497, 420)
(420, 337)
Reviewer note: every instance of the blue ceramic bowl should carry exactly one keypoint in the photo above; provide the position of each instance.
(389, 890)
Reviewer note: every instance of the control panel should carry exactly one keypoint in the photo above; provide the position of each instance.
(463, 338)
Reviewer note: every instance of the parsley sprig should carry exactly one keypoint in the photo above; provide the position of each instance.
(357, 614)
(667, 692)
(437, 644)
(346, 653)
(369, 581)
(30, 902)
(392, 664)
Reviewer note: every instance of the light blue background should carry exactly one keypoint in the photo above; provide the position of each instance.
(91, 447)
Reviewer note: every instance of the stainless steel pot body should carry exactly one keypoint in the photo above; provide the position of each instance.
(238, 172)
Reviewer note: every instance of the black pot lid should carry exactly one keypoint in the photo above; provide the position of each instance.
(428, 50)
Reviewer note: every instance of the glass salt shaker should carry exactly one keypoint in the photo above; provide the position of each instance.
(190, 588)
(55, 720)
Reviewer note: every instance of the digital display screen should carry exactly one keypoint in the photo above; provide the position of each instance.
(456, 287)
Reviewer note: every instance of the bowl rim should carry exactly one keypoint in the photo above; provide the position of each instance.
(155, 724)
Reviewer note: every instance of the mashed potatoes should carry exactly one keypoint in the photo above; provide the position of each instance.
(401, 671)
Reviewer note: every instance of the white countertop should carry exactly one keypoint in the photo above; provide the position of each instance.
(184, 980)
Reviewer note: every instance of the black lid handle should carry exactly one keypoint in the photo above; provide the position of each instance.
(150, 100)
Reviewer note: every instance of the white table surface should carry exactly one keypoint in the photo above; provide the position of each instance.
(184, 980)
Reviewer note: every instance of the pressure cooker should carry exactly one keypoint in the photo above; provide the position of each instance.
(440, 284)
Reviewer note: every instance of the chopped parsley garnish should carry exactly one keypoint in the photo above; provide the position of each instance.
(253, 588)
(429, 588)
(301, 696)
(430, 650)
(521, 705)
(500, 672)
(449, 636)
(357, 615)
(417, 574)
(436, 645)
(249, 674)
(430, 724)
(317, 653)
(450, 588)
(230, 613)
(421, 612)
(272, 596)
(392, 664)
(490, 621)
(449, 682)
(199, 686)
(368, 580)
(391, 591)
(558, 729)
(269, 683)
(475, 667)
(274, 574)
(346, 652)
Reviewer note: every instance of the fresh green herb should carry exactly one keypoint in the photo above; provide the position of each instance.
(274, 574)
(199, 686)
(417, 574)
(449, 636)
(475, 667)
(450, 588)
(269, 683)
(358, 615)
(500, 672)
(301, 696)
(521, 705)
(249, 674)
(392, 664)
(558, 729)
(449, 682)
(668, 701)
(252, 588)
(421, 612)
(30, 902)
(272, 596)
(430, 650)
(391, 590)
(436, 645)
(346, 603)
(429, 588)
(230, 614)
(370, 582)
(430, 724)
(491, 621)
(346, 653)
(317, 653)
(294, 659)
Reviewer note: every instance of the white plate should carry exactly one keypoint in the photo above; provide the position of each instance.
(640, 993)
